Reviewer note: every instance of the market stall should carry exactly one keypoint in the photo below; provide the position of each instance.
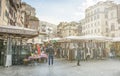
(95, 46)
(116, 46)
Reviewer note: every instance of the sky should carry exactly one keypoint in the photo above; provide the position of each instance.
(56, 11)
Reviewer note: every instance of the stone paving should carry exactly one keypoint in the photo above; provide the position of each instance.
(61, 67)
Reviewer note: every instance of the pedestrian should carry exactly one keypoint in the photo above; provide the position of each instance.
(78, 55)
(50, 54)
(87, 53)
(58, 52)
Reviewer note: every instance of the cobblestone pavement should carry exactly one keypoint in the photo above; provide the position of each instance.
(62, 67)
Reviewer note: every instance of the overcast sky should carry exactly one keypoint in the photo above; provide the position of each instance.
(55, 11)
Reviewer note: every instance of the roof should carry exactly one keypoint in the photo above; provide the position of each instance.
(116, 39)
(19, 31)
(88, 37)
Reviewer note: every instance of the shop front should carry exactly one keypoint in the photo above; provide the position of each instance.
(13, 44)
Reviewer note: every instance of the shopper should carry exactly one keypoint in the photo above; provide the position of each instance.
(50, 55)
(78, 55)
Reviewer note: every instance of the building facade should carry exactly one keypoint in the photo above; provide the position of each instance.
(29, 16)
(65, 29)
(96, 19)
(113, 21)
(49, 30)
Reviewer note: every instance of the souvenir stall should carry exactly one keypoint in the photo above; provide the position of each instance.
(93, 47)
(13, 40)
(115, 46)
(71, 48)
(97, 46)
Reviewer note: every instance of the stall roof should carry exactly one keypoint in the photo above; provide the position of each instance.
(57, 38)
(95, 37)
(88, 37)
(18, 31)
(36, 41)
(116, 39)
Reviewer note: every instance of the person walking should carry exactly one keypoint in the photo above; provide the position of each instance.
(50, 55)
(78, 55)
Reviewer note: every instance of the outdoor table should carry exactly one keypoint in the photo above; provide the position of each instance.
(26, 61)
(43, 57)
(34, 58)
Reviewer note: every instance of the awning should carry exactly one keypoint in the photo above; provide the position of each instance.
(116, 39)
(19, 31)
(88, 37)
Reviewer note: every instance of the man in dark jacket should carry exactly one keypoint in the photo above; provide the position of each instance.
(78, 55)
(50, 55)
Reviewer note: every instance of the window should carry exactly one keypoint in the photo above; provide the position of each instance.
(6, 14)
(91, 25)
(97, 9)
(94, 17)
(43, 28)
(88, 19)
(113, 35)
(106, 23)
(91, 13)
(112, 15)
(97, 16)
(94, 11)
(91, 31)
(0, 7)
(106, 16)
(7, 3)
(107, 30)
(95, 30)
(95, 24)
(91, 18)
(98, 23)
(112, 27)
(98, 30)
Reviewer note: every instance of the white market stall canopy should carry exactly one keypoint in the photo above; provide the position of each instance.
(46, 40)
(73, 37)
(53, 39)
(116, 39)
(88, 37)
(80, 38)
(96, 37)
(4, 29)
(57, 38)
